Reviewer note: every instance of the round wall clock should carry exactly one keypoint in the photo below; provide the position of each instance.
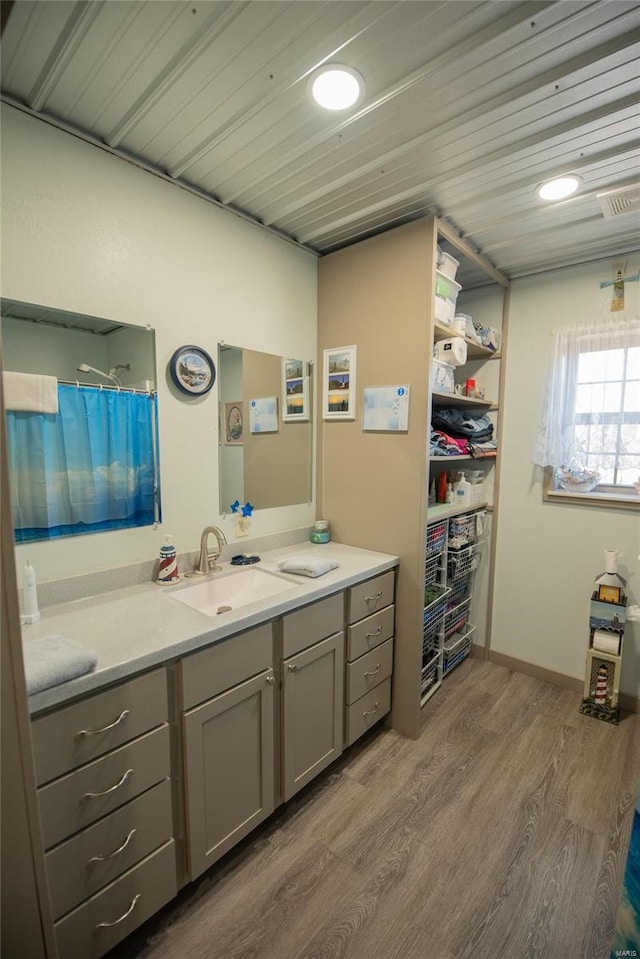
(192, 370)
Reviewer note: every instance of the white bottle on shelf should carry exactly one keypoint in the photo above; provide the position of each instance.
(462, 492)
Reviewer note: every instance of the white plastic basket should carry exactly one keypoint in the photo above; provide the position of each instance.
(445, 300)
(447, 264)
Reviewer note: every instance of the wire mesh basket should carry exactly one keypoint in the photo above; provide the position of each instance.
(435, 599)
(455, 619)
(436, 535)
(459, 592)
(464, 562)
(432, 568)
(462, 531)
(456, 648)
(430, 670)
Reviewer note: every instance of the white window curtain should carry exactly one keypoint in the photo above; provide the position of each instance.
(556, 445)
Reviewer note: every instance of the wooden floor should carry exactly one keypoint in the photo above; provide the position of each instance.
(501, 833)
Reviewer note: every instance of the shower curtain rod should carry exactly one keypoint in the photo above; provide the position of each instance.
(115, 389)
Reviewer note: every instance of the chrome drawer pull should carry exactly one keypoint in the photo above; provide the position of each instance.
(106, 925)
(372, 635)
(370, 712)
(92, 732)
(292, 667)
(373, 599)
(270, 680)
(115, 851)
(111, 789)
(376, 669)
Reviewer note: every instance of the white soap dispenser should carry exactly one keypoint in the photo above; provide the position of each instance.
(462, 492)
(30, 611)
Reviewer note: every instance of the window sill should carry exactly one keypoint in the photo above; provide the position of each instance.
(608, 500)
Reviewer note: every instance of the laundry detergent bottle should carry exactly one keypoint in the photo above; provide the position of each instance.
(462, 492)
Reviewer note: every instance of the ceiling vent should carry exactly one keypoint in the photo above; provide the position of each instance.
(626, 199)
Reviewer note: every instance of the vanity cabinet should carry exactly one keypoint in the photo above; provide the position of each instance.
(228, 743)
(370, 627)
(103, 770)
(312, 691)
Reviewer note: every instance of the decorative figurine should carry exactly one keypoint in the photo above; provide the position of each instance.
(606, 634)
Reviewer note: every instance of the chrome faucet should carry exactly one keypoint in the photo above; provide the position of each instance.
(209, 559)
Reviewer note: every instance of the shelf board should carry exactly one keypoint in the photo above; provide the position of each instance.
(464, 456)
(454, 400)
(437, 511)
(474, 350)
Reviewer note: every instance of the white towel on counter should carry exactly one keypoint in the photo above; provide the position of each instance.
(52, 660)
(30, 392)
(306, 564)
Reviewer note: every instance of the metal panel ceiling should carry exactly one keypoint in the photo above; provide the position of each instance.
(468, 106)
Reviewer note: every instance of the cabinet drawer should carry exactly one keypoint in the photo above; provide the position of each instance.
(369, 632)
(105, 919)
(80, 733)
(207, 673)
(364, 713)
(66, 805)
(78, 868)
(312, 623)
(369, 597)
(369, 671)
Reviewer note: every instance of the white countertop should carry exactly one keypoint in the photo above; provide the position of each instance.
(142, 626)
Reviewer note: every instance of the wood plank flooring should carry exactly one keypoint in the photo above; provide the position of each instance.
(501, 833)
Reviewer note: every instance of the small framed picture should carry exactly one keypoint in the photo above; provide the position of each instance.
(233, 423)
(295, 391)
(339, 384)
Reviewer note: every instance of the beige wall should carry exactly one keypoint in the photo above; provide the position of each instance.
(87, 232)
(548, 554)
(277, 466)
(377, 295)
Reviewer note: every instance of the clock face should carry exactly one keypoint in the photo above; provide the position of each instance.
(192, 370)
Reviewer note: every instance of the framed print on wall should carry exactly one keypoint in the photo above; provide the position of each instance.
(339, 384)
(233, 423)
(263, 415)
(295, 391)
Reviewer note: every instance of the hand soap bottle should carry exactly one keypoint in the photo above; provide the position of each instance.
(462, 492)
(30, 611)
(168, 571)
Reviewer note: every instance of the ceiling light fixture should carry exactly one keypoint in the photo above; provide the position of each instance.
(335, 87)
(559, 188)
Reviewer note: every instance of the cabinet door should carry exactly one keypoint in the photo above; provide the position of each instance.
(313, 698)
(229, 768)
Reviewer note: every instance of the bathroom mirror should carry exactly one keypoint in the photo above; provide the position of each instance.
(266, 440)
(93, 464)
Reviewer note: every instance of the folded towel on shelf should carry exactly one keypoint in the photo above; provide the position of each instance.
(306, 564)
(52, 660)
(30, 393)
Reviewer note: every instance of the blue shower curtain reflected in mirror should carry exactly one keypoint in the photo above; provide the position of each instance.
(90, 467)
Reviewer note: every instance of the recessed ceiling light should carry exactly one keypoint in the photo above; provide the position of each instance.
(335, 87)
(558, 189)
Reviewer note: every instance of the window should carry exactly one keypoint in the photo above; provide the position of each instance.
(607, 416)
(589, 439)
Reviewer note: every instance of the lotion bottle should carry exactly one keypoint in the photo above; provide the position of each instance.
(30, 611)
(462, 492)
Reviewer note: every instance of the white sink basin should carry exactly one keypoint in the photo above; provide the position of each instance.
(230, 591)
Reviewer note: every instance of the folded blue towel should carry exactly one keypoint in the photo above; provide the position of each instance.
(52, 660)
(307, 565)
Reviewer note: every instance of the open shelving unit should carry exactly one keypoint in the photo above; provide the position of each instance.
(379, 294)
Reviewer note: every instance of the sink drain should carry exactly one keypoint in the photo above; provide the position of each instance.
(223, 609)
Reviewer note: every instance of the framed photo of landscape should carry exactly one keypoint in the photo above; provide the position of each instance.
(339, 383)
(295, 391)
